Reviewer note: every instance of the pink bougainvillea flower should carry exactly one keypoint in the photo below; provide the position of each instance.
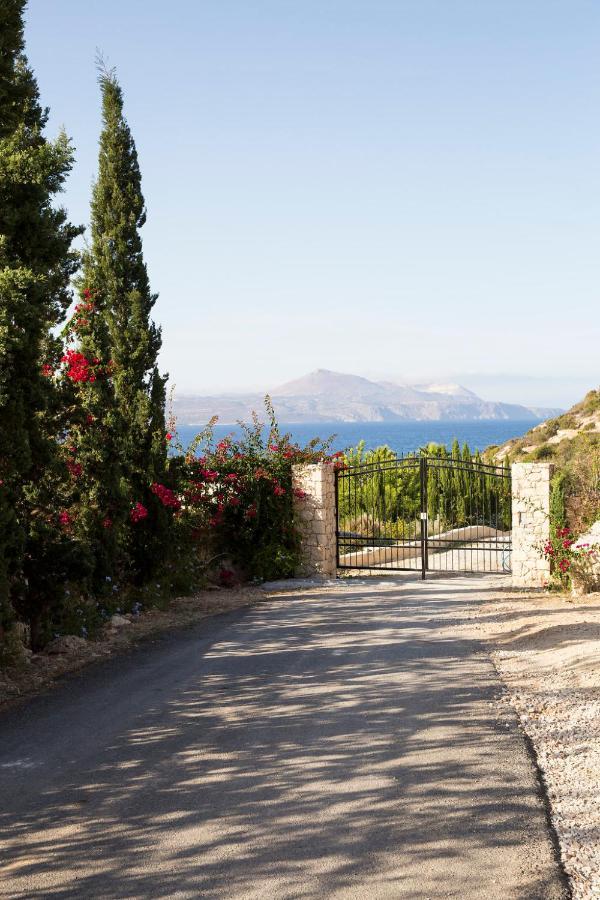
(138, 512)
(278, 490)
(78, 367)
(75, 468)
(64, 518)
(300, 494)
(107, 522)
(168, 436)
(165, 495)
(47, 370)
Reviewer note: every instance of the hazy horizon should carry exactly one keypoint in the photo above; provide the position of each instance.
(501, 388)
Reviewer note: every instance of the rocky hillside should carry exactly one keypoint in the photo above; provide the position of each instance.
(560, 438)
(572, 443)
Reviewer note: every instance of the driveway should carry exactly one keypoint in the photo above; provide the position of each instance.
(339, 743)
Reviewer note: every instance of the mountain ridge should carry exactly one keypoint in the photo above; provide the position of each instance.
(327, 396)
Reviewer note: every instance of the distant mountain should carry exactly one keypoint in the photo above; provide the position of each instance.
(325, 396)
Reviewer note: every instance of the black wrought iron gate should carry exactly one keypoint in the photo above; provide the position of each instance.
(424, 513)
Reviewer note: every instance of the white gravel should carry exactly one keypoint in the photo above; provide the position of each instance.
(547, 651)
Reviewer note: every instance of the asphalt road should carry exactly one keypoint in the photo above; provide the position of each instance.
(320, 745)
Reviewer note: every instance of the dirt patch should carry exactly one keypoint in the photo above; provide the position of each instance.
(546, 647)
(69, 655)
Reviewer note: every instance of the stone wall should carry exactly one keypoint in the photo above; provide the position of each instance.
(316, 516)
(530, 523)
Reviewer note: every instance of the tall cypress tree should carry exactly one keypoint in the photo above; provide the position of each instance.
(115, 272)
(36, 264)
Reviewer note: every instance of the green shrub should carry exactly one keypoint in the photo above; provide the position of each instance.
(546, 451)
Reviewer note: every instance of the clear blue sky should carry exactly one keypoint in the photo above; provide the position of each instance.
(399, 189)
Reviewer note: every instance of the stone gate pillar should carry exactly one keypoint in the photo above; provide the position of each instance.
(316, 518)
(530, 523)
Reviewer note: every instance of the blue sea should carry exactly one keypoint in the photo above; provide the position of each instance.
(402, 437)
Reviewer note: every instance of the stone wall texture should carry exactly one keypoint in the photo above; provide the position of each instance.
(530, 523)
(316, 517)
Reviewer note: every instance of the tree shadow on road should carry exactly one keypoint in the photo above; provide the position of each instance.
(312, 750)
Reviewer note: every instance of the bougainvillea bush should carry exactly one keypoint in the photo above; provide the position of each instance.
(570, 561)
(235, 499)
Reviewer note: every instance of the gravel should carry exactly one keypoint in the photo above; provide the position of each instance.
(547, 650)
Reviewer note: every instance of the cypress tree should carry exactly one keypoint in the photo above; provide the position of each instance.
(115, 272)
(36, 264)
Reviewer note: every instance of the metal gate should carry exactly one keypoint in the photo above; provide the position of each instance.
(424, 513)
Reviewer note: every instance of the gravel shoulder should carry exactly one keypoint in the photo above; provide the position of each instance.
(546, 647)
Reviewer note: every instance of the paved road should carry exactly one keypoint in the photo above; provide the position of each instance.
(320, 745)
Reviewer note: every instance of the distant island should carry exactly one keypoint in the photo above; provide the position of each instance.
(325, 396)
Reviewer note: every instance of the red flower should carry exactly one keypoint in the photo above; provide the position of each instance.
(168, 436)
(107, 522)
(138, 512)
(300, 494)
(251, 512)
(273, 448)
(563, 565)
(47, 370)
(78, 367)
(64, 518)
(75, 468)
(165, 495)
(278, 490)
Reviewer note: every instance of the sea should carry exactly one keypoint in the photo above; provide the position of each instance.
(402, 437)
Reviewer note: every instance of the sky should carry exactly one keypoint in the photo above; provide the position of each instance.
(400, 189)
